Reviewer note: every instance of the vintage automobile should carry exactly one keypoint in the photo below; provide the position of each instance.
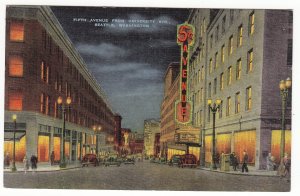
(188, 160)
(175, 160)
(89, 159)
(129, 160)
(112, 160)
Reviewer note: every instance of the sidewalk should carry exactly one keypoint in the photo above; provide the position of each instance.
(252, 172)
(44, 167)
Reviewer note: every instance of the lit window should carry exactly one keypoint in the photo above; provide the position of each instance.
(249, 98)
(228, 108)
(240, 36)
(229, 76)
(216, 60)
(15, 101)
(238, 69)
(42, 103)
(251, 23)
(237, 102)
(44, 72)
(15, 67)
(16, 31)
(250, 61)
(230, 45)
(221, 81)
(223, 54)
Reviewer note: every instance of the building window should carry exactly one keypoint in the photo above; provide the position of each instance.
(209, 89)
(221, 110)
(202, 74)
(250, 61)
(239, 69)
(237, 102)
(240, 36)
(55, 109)
(216, 60)
(16, 32)
(208, 116)
(230, 45)
(229, 75)
(15, 101)
(217, 34)
(210, 66)
(221, 81)
(231, 15)
(228, 106)
(251, 23)
(15, 66)
(223, 54)
(215, 85)
(290, 52)
(223, 24)
(211, 40)
(249, 98)
(42, 103)
(44, 72)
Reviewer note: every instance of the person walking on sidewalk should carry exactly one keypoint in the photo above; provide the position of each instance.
(33, 161)
(52, 158)
(245, 161)
(26, 164)
(270, 162)
(6, 160)
(287, 166)
(235, 161)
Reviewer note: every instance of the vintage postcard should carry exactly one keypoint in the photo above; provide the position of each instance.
(144, 98)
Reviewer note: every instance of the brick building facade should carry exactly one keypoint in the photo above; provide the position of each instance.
(41, 65)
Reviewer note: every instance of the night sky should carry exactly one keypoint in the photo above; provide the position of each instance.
(129, 62)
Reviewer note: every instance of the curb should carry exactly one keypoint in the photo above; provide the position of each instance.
(61, 169)
(241, 174)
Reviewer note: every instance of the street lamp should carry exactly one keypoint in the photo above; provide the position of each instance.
(14, 118)
(214, 107)
(284, 87)
(63, 107)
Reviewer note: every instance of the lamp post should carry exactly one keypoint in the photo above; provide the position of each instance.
(284, 87)
(14, 117)
(63, 107)
(98, 129)
(214, 108)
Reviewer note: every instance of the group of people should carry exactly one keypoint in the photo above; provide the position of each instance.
(234, 161)
(33, 162)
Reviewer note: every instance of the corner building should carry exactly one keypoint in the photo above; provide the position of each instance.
(241, 57)
(42, 64)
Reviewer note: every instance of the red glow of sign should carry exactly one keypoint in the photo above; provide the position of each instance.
(185, 38)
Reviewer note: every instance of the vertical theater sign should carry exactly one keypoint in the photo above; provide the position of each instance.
(185, 132)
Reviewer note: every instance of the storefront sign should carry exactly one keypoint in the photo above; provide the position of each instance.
(185, 38)
(187, 138)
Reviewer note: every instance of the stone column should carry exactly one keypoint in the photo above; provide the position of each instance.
(51, 143)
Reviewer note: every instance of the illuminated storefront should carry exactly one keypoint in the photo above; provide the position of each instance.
(56, 148)
(223, 143)
(245, 140)
(67, 149)
(20, 148)
(172, 152)
(275, 143)
(43, 148)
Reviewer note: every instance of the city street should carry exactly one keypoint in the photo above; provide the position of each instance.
(144, 176)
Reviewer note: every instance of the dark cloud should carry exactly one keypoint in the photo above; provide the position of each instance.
(129, 62)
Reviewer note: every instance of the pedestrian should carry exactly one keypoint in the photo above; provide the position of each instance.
(270, 162)
(245, 161)
(235, 161)
(33, 161)
(6, 160)
(52, 158)
(26, 164)
(287, 166)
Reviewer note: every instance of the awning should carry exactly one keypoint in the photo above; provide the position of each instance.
(9, 136)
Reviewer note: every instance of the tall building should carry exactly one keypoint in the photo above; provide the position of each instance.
(240, 58)
(41, 64)
(151, 127)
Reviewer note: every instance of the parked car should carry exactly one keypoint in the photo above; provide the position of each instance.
(112, 160)
(129, 160)
(187, 160)
(89, 159)
(175, 160)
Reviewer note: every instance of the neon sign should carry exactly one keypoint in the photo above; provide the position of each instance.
(185, 38)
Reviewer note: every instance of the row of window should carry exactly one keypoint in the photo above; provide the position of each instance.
(237, 107)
